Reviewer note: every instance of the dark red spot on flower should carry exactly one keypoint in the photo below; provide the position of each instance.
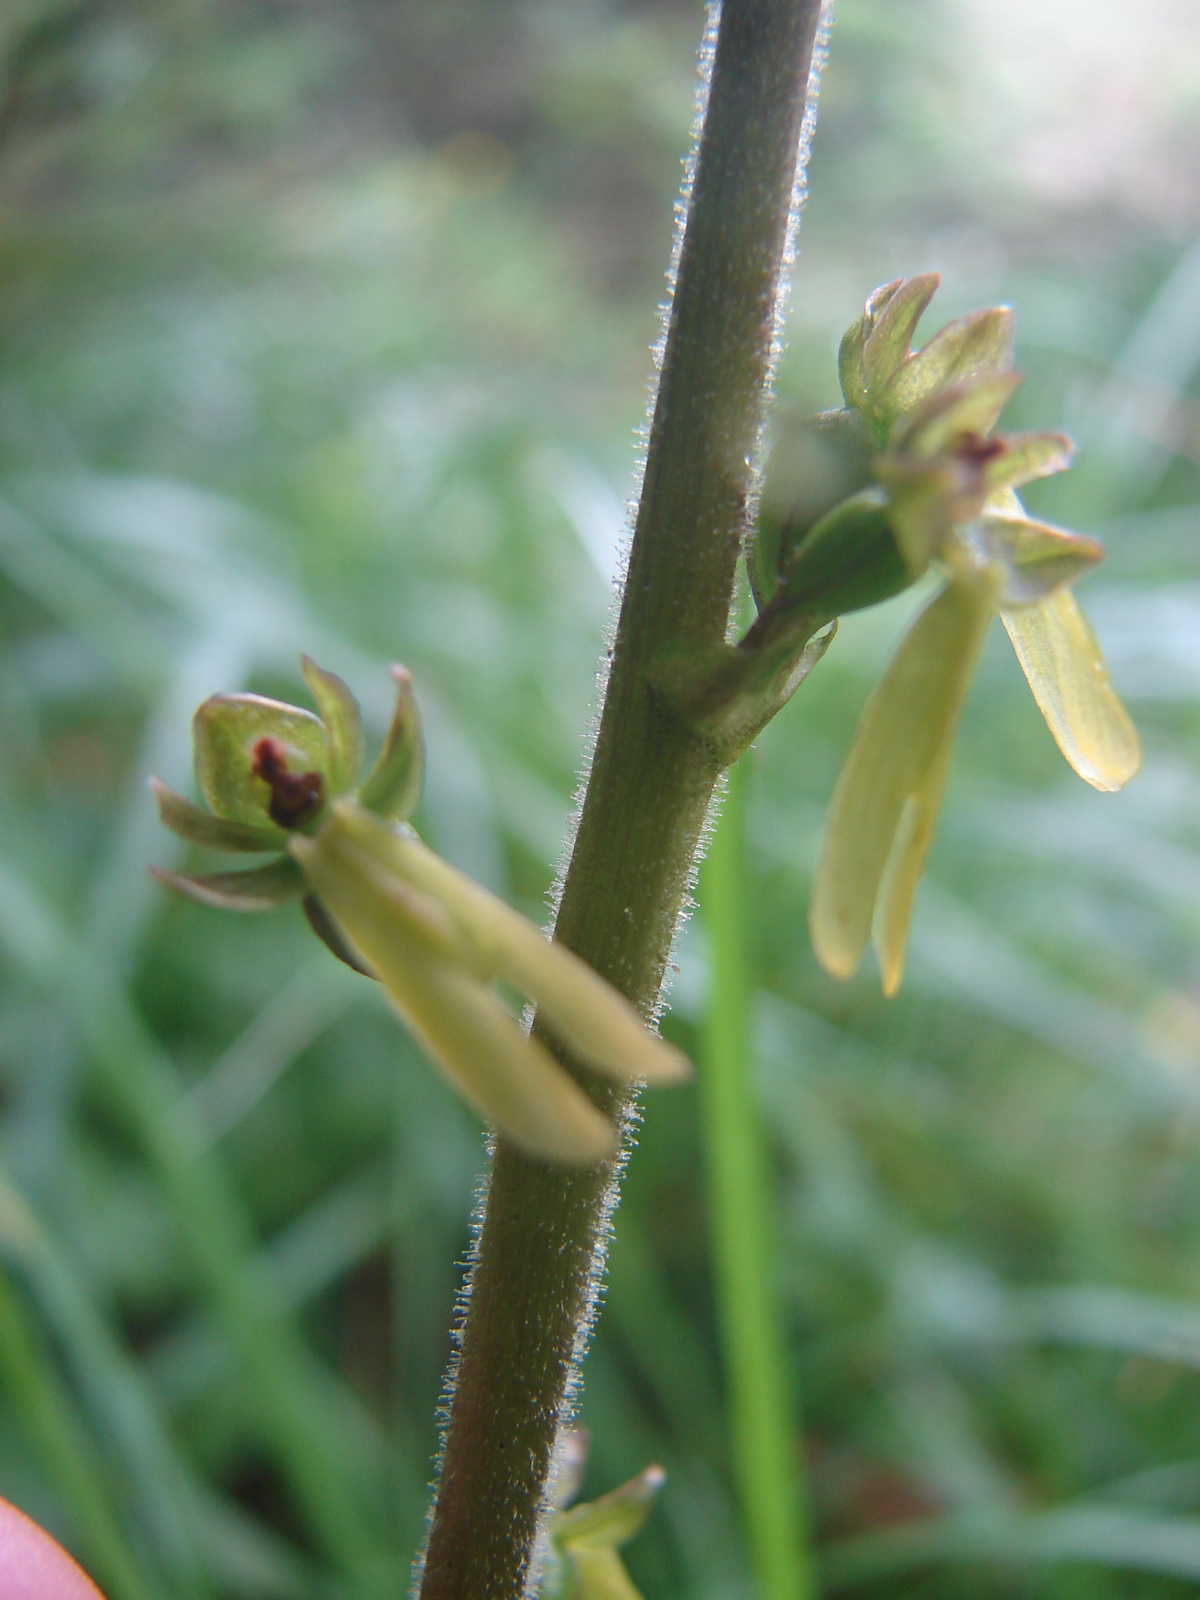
(974, 447)
(296, 797)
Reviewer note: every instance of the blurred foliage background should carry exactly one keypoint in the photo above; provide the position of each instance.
(324, 325)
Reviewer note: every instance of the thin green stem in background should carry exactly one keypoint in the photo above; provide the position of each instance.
(767, 1445)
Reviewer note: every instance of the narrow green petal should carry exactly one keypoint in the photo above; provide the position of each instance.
(330, 935)
(259, 889)
(887, 343)
(611, 1520)
(393, 786)
(198, 826)
(1027, 456)
(510, 1078)
(850, 364)
(981, 342)
(506, 1076)
(1062, 661)
(899, 754)
(878, 301)
(343, 723)
(591, 1017)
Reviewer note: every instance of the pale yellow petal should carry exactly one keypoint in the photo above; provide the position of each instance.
(590, 1017)
(905, 864)
(600, 1575)
(895, 768)
(1062, 661)
(511, 1079)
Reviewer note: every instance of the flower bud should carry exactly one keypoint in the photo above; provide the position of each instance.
(850, 352)
(886, 348)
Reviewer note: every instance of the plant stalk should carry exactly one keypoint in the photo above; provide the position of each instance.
(532, 1288)
(766, 1442)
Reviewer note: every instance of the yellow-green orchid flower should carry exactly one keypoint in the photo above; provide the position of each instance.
(946, 498)
(278, 779)
(585, 1560)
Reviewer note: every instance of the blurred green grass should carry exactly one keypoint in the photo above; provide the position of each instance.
(326, 328)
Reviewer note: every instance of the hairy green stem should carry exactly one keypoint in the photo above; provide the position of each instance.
(766, 1443)
(539, 1253)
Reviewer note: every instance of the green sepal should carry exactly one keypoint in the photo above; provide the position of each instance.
(969, 408)
(614, 1518)
(259, 889)
(1027, 456)
(815, 463)
(981, 342)
(198, 826)
(850, 351)
(224, 732)
(393, 786)
(330, 935)
(850, 560)
(886, 348)
(343, 724)
(1037, 557)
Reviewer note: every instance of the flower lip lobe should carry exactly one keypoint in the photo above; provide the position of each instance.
(591, 1017)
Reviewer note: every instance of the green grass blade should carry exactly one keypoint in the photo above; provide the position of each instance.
(1079, 1534)
(296, 1401)
(109, 1386)
(766, 1442)
(38, 1397)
